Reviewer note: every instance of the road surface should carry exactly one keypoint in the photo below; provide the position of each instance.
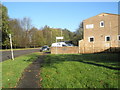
(7, 54)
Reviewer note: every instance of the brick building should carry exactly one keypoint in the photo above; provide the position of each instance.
(101, 33)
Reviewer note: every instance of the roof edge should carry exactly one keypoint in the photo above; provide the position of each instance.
(103, 13)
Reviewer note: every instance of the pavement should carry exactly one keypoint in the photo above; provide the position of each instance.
(7, 54)
(31, 75)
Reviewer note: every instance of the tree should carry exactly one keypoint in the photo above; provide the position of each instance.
(78, 34)
(17, 32)
(47, 35)
(36, 37)
(22, 30)
(67, 34)
(0, 26)
(26, 26)
(5, 27)
(79, 31)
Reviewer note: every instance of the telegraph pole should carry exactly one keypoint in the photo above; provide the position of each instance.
(110, 36)
(11, 46)
(51, 37)
(61, 32)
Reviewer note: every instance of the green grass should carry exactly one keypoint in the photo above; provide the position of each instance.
(12, 70)
(71, 71)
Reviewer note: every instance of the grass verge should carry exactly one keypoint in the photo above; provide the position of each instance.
(12, 70)
(70, 71)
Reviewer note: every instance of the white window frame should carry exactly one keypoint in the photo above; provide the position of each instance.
(103, 23)
(89, 26)
(106, 38)
(91, 37)
(118, 37)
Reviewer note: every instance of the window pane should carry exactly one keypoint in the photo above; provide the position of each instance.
(91, 39)
(89, 26)
(102, 24)
(107, 38)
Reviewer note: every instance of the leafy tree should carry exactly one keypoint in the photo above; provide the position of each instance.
(36, 37)
(78, 34)
(22, 30)
(0, 26)
(5, 27)
(17, 32)
(79, 31)
(45, 31)
(67, 35)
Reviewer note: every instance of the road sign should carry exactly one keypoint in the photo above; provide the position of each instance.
(59, 37)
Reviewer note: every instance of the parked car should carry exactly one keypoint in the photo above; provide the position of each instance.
(44, 48)
(59, 44)
(70, 45)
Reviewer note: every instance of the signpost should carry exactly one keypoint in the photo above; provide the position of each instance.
(56, 42)
(11, 46)
(59, 37)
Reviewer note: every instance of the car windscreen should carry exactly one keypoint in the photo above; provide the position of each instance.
(44, 47)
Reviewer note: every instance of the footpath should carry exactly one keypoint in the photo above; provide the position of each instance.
(31, 75)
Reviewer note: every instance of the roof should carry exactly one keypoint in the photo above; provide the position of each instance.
(109, 13)
(103, 15)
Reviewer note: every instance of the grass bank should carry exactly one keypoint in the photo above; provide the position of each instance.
(12, 70)
(80, 71)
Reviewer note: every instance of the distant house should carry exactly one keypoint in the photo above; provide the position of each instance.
(101, 33)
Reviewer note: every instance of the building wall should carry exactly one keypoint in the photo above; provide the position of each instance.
(64, 50)
(96, 47)
(119, 30)
(99, 33)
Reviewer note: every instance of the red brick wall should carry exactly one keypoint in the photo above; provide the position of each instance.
(64, 50)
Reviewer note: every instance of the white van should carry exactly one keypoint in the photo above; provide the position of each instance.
(59, 44)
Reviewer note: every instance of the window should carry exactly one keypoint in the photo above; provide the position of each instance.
(91, 39)
(107, 38)
(102, 24)
(63, 45)
(89, 26)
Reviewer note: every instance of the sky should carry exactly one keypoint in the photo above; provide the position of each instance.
(59, 14)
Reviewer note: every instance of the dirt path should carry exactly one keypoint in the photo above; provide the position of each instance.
(31, 75)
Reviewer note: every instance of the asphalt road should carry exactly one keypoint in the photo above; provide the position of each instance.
(7, 54)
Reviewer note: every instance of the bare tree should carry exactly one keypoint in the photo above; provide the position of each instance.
(26, 26)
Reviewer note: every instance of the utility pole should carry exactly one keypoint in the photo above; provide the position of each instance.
(51, 37)
(110, 36)
(11, 46)
(56, 46)
(61, 32)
